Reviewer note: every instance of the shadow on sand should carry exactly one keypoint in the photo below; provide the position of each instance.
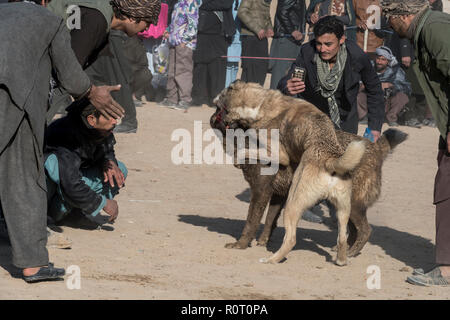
(414, 251)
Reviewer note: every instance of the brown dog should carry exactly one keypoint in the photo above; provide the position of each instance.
(360, 187)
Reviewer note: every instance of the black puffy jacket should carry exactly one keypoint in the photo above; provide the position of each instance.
(290, 16)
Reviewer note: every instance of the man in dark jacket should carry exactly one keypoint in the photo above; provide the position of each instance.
(429, 31)
(256, 28)
(81, 168)
(215, 30)
(90, 39)
(289, 31)
(334, 68)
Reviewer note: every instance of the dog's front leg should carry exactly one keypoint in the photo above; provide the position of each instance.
(276, 204)
(261, 192)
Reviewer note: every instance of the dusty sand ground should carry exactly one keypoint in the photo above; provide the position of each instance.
(174, 221)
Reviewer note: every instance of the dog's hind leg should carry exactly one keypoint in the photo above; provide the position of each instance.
(363, 231)
(304, 193)
(275, 206)
(343, 215)
(261, 192)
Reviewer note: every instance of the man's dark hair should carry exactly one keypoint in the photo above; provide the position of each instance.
(84, 108)
(329, 24)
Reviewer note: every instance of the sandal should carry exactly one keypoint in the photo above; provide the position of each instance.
(432, 278)
(45, 274)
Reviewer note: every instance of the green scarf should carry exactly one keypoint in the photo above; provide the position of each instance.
(329, 81)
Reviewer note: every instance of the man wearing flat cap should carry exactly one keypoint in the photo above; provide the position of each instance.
(429, 32)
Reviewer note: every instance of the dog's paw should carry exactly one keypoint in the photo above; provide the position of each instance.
(262, 243)
(340, 262)
(236, 245)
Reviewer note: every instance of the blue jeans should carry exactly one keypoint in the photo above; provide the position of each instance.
(58, 206)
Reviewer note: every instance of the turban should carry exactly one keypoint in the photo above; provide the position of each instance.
(403, 7)
(387, 53)
(147, 10)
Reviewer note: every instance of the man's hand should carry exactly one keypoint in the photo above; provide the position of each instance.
(269, 33)
(110, 172)
(297, 35)
(101, 99)
(406, 61)
(314, 18)
(166, 35)
(261, 34)
(112, 209)
(385, 85)
(295, 86)
(376, 135)
(362, 25)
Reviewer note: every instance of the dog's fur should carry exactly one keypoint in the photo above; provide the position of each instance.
(308, 138)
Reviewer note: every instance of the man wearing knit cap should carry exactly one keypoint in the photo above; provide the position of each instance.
(98, 44)
(393, 82)
(429, 31)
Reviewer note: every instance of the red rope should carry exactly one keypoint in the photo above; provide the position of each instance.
(263, 58)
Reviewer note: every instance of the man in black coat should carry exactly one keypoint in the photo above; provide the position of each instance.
(215, 30)
(80, 164)
(289, 30)
(334, 68)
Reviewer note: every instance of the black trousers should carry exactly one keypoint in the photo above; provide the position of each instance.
(210, 70)
(254, 70)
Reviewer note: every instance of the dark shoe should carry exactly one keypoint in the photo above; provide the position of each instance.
(309, 216)
(46, 274)
(393, 124)
(182, 105)
(364, 120)
(413, 123)
(125, 128)
(429, 122)
(432, 278)
(166, 103)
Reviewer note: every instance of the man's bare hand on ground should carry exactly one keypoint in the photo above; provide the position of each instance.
(295, 86)
(101, 99)
(112, 209)
(110, 172)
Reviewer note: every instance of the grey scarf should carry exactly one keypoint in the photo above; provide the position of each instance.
(329, 81)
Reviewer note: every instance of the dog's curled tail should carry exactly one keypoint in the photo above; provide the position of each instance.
(390, 139)
(349, 160)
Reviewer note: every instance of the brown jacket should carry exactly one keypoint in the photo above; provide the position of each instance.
(363, 14)
(255, 16)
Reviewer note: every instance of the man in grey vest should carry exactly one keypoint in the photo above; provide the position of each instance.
(26, 62)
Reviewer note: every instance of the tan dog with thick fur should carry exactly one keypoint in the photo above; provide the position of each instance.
(307, 137)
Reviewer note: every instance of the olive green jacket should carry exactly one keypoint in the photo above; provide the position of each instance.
(254, 16)
(61, 8)
(432, 66)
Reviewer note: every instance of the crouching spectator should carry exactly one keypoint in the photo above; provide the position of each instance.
(393, 82)
(82, 171)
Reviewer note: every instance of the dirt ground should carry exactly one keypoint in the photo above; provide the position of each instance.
(174, 220)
